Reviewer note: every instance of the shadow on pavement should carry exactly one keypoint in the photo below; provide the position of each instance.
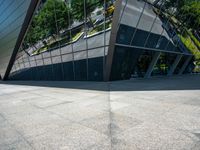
(184, 82)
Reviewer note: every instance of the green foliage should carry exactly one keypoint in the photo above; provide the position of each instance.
(190, 45)
(77, 36)
(100, 28)
(196, 42)
(191, 10)
(78, 8)
(186, 9)
(52, 18)
(172, 3)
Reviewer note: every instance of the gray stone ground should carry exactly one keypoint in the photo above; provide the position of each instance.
(146, 114)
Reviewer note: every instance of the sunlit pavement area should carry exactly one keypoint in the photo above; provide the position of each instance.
(158, 113)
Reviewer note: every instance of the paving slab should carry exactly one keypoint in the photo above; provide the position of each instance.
(137, 114)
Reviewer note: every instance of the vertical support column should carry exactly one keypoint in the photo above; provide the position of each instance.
(174, 65)
(152, 64)
(185, 65)
(113, 36)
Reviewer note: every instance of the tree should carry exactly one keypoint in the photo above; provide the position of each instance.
(78, 8)
(174, 3)
(186, 9)
(33, 35)
(191, 11)
(52, 18)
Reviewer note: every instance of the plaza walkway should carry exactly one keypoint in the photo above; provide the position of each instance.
(158, 113)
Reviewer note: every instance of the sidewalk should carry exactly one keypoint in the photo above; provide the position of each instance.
(161, 113)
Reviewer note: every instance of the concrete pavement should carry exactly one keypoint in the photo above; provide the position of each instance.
(156, 114)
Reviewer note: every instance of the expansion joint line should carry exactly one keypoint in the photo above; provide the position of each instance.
(110, 116)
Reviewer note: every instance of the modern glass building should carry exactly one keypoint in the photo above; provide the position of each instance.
(90, 40)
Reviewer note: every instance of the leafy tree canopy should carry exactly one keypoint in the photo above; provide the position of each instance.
(186, 9)
(78, 7)
(48, 21)
(191, 11)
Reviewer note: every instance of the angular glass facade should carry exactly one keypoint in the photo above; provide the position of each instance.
(102, 40)
(146, 44)
(67, 40)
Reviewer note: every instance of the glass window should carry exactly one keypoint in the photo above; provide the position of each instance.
(164, 64)
(143, 63)
(65, 39)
